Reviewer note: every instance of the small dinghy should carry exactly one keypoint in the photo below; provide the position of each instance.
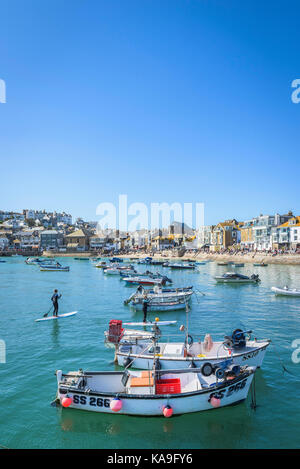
(223, 263)
(260, 264)
(232, 277)
(286, 291)
(153, 393)
(59, 316)
(239, 265)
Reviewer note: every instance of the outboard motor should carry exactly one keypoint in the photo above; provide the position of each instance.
(255, 277)
(238, 339)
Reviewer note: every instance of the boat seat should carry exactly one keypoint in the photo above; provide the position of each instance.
(146, 379)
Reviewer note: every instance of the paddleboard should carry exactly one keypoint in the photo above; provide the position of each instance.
(60, 316)
(158, 323)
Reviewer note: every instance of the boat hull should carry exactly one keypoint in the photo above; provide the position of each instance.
(284, 292)
(250, 358)
(160, 306)
(153, 405)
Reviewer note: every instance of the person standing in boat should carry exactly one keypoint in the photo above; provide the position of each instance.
(145, 307)
(54, 299)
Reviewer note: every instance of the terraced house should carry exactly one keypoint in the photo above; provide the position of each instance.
(263, 229)
(287, 235)
(225, 235)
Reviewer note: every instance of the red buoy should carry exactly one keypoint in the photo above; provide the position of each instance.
(66, 401)
(167, 411)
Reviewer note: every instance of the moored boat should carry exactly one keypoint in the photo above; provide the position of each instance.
(101, 265)
(181, 266)
(160, 304)
(232, 277)
(260, 264)
(33, 261)
(134, 352)
(159, 293)
(153, 393)
(54, 268)
(144, 280)
(286, 291)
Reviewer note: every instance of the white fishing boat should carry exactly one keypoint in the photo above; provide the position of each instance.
(286, 291)
(159, 304)
(232, 277)
(144, 280)
(111, 271)
(159, 293)
(33, 261)
(138, 353)
(153, 393)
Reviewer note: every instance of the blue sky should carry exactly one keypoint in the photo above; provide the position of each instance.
(162, 100)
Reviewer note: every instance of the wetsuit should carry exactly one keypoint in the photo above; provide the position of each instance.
(145, 308)
(54, 299)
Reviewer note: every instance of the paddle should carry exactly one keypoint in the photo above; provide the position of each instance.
(46, 314)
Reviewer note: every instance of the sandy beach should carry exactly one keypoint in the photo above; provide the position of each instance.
(292, 259)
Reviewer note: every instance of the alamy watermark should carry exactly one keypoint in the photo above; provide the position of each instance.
(295, 97)
(2, 91)
(138, 216)
(296, 352)
(2, 351)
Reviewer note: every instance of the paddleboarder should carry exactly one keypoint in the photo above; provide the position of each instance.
(54, 299)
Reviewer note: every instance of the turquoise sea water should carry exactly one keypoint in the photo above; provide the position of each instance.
(36, 350)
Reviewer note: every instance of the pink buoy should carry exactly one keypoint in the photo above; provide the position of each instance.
(215, 402)
(116, 404)
(167, 411)
(66, 401)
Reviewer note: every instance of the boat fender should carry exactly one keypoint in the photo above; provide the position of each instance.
(192, 364)
(128, 362)
(207, 369)
(157, 364)
(66, 401)
(219, 373)
(215, 401)
(189, 340)
(116, 404)
(167, 411)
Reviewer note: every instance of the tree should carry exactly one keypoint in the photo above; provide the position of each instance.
(30, 222)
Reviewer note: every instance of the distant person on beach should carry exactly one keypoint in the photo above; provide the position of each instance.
(54, 299)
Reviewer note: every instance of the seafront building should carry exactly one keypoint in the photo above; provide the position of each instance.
(36, 231)
(225, 234)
